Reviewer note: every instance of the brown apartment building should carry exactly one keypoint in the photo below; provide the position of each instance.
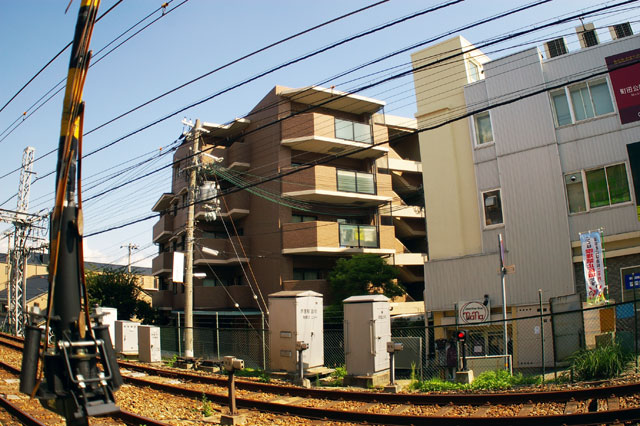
(363, 196)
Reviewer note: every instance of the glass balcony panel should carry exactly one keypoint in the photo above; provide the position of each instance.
(361, 132)
(365, 184)
(349, 235)
(344, 129)
(346, 181)
(368, 236)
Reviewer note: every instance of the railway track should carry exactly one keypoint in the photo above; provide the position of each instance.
(598, 405)
(26, 417)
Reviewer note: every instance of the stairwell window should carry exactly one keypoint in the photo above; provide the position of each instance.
(352, 131)
(601, 187)
(482, 128)
(581, 101)
(492, 203)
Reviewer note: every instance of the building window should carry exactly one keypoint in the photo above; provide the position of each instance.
(492, 208)
(355, 182)
(352, 131)
(358, 236)
(297, 218)
(307, 274)
(581, 101)
(604, 186)
(474, 71)
(482, 127)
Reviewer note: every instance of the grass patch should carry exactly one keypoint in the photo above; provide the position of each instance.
(337, 377)
(262, 375)
(489, 380)
(604, 362)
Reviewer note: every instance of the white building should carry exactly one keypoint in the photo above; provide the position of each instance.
(538, 171)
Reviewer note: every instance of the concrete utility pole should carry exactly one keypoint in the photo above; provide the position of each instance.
(188, 277)
(131, 247)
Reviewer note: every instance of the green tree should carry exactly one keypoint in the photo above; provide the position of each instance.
(116, 288)
(363, 274)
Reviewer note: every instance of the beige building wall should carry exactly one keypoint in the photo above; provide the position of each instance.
(452, 208)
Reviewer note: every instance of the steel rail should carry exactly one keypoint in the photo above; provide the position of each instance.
(390, 398)
(600, 417)
(126, 416)
(401, 398)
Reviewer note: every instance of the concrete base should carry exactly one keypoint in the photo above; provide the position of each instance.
(309, 373)
(228, 419)
(375, 380)
(305, 383)
(465, 377)
(393, 388)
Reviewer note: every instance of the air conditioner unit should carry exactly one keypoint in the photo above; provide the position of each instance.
(620, 30)
(587, 35)
(555, 48)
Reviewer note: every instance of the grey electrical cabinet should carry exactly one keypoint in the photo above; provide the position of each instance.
(367, 329)
(149, 343)
(127, 337)
(295, 316)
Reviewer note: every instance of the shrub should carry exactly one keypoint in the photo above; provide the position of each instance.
(603, 362)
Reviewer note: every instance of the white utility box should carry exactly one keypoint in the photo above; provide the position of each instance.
(367, 329)
(149, 343)
(127, 337)
(109, 319)
(295, 316)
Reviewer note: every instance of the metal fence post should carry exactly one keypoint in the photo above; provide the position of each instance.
(217, 337)
(542, 335)
(179, 337)
(635, 324)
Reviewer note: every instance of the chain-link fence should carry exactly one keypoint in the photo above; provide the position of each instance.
(537, 340)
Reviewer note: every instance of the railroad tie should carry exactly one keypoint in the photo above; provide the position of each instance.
(613, 403)
(367, 406)
(571, 407)
(400, 409)
(526, 410)
(444, 410)
(482, 410)
(286, 400)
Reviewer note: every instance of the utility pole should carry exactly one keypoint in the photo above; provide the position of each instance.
(188, 277)
(131, 247)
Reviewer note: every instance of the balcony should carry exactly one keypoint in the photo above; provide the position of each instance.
(163, 229)
(326, 184)
(324, 134)
(331, 238)
(162, 263)
(227, 249)
(162, 299)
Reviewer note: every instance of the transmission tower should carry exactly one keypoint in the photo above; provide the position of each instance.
(18, 251)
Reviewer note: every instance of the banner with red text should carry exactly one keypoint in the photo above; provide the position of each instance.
(593, 262)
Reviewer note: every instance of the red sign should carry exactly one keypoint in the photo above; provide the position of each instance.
(626, 84)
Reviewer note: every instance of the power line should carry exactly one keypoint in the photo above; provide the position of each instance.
(444, 123)
(54, 58)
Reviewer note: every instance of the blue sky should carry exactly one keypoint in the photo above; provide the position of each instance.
(191, 40)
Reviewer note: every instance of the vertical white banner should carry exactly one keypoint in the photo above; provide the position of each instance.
(593, 262)
(178, 267)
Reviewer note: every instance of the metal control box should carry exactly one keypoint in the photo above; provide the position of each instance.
(149, 343)
(367, 329)
(127, 337)
(295, 316)
(109, 319)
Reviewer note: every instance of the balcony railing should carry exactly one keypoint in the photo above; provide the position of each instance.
(364, 236)
(350, 181)
(353, 131)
